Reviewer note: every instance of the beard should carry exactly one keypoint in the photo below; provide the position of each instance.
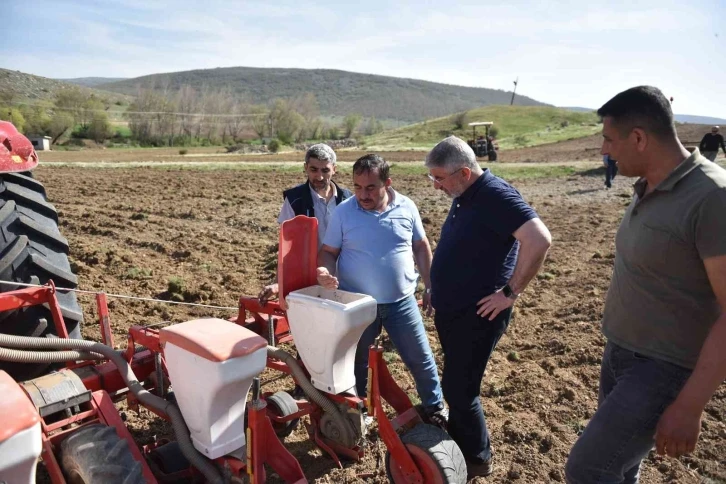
(320, 186)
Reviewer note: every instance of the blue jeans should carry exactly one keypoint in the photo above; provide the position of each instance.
(468, 341)
(610, 171)
(634, 392)
(404, 326)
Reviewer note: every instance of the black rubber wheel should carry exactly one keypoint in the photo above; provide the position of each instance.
(492, 154)
(282, 404)
(437, 456)
(169, 458)
(95, 454)
(32, 250)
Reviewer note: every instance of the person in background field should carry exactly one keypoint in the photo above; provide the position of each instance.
(710, 144)
(373, 240)
(664, 317)
(317, 197)
(491, 246)
(611, 169)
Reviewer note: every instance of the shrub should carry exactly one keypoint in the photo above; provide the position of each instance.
(183, 152)
(521, 140)
(175, 285)
(274, 145)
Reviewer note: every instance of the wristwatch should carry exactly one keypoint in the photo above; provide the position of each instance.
(509, 293)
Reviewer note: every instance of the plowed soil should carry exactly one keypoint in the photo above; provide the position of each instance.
(213, 233)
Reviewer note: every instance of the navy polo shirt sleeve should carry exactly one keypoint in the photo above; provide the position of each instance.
(507, 211)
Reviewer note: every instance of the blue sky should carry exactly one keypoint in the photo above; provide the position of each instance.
(566, 53)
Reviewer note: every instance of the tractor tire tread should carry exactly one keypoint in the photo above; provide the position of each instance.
(33, 251)
(95, 454)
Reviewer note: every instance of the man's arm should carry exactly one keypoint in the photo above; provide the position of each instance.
(286, 212)
(422, 255)
(327, 257)
(534, 242)
(679, 426)
(702, 143)
(723, 146)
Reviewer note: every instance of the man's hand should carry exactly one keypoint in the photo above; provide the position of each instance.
(326, 279)
(677, 431)
(493, 304)
(268, 292)
(426, 303)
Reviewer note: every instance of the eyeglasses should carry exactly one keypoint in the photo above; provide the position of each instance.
(441, 181)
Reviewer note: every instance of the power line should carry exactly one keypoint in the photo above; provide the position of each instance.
(152, 113)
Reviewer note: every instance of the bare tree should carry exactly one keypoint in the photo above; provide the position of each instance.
(260, 120)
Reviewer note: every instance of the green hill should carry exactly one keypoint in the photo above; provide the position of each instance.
(338, 92)
(518, 126)
(19, 87)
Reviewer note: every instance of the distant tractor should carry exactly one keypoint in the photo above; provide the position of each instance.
(483, 146)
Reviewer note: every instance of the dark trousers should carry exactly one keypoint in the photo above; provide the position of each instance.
(467, 341)
(610, 171)
(634, 392)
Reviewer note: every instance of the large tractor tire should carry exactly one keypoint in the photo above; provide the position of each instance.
(436, 455)
(95, 454)
(33, 251)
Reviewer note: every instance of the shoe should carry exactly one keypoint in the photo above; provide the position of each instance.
(481, 469)
(439, 417)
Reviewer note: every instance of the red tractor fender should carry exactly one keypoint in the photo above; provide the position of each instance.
(16, 151)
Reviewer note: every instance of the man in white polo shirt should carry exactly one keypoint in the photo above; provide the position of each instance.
(318, 197)
(373, 239)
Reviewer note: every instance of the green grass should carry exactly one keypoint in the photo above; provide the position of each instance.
(122, 130)
(518, 126)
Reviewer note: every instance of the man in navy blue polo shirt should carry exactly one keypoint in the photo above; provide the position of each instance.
(370, 247)
(492, 244)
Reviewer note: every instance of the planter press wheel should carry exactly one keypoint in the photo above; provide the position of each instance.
(282, 404)
(436, 455)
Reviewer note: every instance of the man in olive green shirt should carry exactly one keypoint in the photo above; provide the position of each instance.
(664, 313)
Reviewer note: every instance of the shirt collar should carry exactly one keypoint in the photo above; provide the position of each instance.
(482, 180)
(675, 176)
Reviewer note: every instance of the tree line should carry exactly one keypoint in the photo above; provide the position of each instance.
(182, 117)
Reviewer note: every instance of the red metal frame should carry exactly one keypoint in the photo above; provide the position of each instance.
(259, 320)
(263, 445)
(16, 151)
(104, 380)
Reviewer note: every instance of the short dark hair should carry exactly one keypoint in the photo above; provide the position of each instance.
(642, 107)
(372, 162)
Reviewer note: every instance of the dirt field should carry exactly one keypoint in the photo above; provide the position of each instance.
(214, 232)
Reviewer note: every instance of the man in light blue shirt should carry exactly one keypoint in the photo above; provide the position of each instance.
(372, 240)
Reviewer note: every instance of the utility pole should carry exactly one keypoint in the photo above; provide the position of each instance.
(515, 91)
